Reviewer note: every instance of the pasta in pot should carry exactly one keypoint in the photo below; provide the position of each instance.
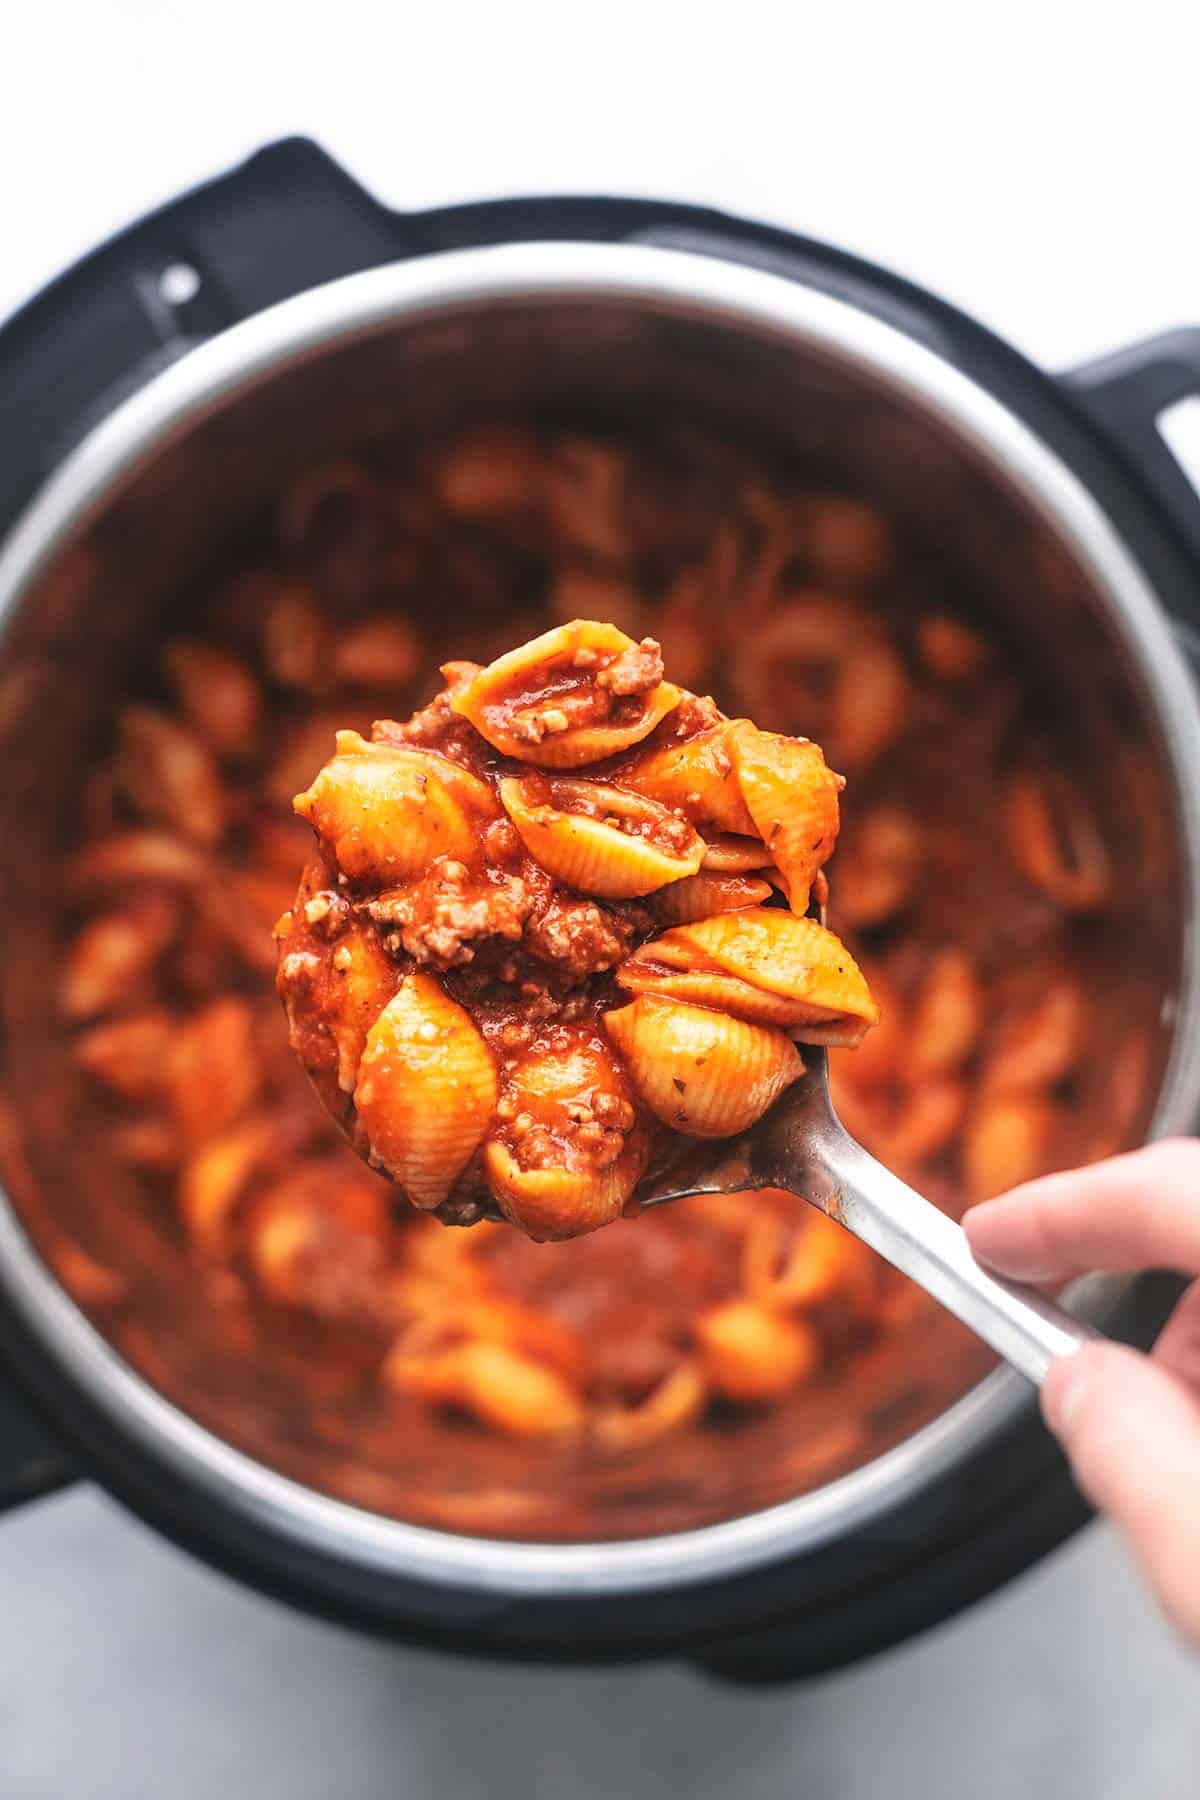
(504, 1068)
(626, 1381)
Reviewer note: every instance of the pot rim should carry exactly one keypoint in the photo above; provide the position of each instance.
(745, 299)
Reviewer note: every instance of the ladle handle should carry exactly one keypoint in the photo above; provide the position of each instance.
(1024, 1327)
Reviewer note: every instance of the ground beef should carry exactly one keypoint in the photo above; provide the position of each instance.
(532, 724)
(440, 920)
(327, 912)
(634, 671)
(579, 936)
(694, 714)
(435, 727)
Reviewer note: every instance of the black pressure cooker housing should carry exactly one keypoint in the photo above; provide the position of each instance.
(290, 219)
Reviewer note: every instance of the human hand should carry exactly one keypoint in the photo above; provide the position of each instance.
(1130, 1424)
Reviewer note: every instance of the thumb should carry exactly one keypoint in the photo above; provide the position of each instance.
(1132, 1433)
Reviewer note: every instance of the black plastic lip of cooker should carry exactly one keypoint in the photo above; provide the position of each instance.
(284, 221)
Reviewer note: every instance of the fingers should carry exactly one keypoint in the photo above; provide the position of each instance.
(1131, 1427)
(1132, 1432)
(1132, 1212)
(1178, 1346)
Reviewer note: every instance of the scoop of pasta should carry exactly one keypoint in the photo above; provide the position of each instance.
(554, 931)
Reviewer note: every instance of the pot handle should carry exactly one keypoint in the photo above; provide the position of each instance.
(1126, 393)
(285, 220)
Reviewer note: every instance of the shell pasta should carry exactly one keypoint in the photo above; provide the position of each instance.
(709, 1357)
(577, 893)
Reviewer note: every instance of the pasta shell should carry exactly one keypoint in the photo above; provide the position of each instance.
(792, 797)
(568, 1151)
(882, 1056)
(586, 497)
(949, 649)
(764, 965)
(217, 693)
(643, 974)
(947, 1016)
(426, 1090)
(702, 1072)
(213, 1181)
(552, 1204)
(845, 541)
(1008, 1140)
(820, 659)
(676, 1400)
(1040, 1045)
(303, 748)
(783, 1266)
(697, 777)
(146, 1143)
(494, 1320)
(133, 856)
(501, 1387)
(387, 813)
(600, 839)
(362, 979)
(489, 473)
(701, 896)
(576, 694)
(296, 638)
(211, 1072)
(128, 1056)
(383, 651)
(112, 954)
(171, 775)
(730, 855)
(928, 1119)
(879, 866)
(550, 1084)
(332, 993)
(749, 1353)
(316, 1238)
(683, 619)
(241, 909)
(1055, 842)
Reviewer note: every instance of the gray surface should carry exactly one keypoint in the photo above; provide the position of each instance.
(128, 1670)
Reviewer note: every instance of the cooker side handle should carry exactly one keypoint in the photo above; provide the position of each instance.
(31, 1463)
(1126, 394)
(283, 221)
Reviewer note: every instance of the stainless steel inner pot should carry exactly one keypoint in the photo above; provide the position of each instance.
(595, 333)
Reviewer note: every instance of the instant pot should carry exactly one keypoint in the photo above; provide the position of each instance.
(278, 314)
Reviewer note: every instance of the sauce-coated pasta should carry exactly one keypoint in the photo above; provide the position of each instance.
(634, 1380)
(505, 1067)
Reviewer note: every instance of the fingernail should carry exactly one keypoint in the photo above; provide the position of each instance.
(1063, 1391)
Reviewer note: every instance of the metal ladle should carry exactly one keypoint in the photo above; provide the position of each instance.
(802, 1146)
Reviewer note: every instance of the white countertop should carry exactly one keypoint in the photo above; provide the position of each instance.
(127, 1672)
(1034, 163)
(1037, 165)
